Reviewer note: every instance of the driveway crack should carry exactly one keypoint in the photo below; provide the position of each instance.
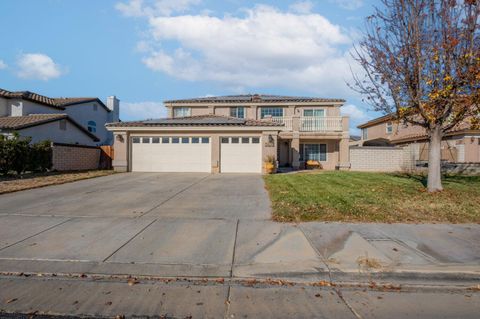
(174, 195)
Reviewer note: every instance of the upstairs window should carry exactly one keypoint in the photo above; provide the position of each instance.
(364, 133)
(314, 112)
(237, 111)
(271, 111)
(181, 111)
(92, 126)
(389, 128)
(63, 124)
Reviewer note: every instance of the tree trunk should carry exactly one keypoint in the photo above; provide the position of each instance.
(434, 183)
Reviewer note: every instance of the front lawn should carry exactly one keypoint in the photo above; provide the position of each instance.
(372, 197)
(10, 184)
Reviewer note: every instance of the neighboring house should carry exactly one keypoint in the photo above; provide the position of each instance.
(461, 144)
(62, 120)
(235, 134)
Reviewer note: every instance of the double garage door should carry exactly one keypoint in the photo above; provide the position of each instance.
(194, 154)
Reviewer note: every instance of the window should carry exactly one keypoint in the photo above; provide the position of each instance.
(63, 125)
(316, 152)
(245, 140)
(181, 111)
(364, 134)
(255, 140)
(314, 112)
(235, 140)
(165, 140)
(195, 140)
(238, 111)
(389, 127)
(155, 140)
(271, 111)
(185, 140)
(205, 140)
(92, 126)
(136, 140)
(175, 140)
(95, 107)
(145, 140)
(224, 140)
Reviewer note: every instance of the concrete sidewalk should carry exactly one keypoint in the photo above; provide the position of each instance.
(93, 297)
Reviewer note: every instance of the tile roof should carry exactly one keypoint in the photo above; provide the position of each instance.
(21, 122)
(59, 103)
(255, 98)
(197, 120)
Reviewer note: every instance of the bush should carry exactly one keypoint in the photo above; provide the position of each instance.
(18, 154)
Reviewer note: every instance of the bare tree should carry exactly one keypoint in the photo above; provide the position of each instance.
(422, 64)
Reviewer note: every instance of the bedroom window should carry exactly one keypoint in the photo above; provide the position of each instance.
(181, 111)
(237, 111)
(271, 111)
(92, 126)
(389, 128)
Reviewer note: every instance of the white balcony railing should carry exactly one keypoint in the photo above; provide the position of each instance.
(310, 123)
(287, 121)
(320, 124)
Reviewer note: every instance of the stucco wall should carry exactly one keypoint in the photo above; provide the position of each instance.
(472, 149)
(4, 111)
(84, 112)
(381, 159)
(75, 158)
(52, 132)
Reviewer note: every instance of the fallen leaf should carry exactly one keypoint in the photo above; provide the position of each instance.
(11, 300)
(132, 281)
(108, 303)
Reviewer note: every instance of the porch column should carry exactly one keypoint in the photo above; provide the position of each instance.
(344, 153)
(215, 142)
(120, 156)
(253, 110)
(295, 151)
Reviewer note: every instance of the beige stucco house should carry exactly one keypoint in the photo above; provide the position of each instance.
(61, 120)
(235, 134)
(460, 145)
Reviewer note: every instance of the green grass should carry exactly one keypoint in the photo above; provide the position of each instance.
(372, 197)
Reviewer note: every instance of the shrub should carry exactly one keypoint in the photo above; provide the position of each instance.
(18, 154)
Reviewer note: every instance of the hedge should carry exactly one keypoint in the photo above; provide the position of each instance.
(18, 155)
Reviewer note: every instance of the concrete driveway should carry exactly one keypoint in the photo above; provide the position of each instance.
(178, 195)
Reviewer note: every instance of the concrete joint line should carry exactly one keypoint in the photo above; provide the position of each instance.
(339, 294)
(174, 195)
(317, 252)
(40, 232)
(124, 244)
(227, 300)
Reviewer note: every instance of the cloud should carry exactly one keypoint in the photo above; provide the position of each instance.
(302, 7)
(140, 8)
(142, 110)
(265, 47)
(3, 65)
(348, 4)
(37, 66)
(355, 113)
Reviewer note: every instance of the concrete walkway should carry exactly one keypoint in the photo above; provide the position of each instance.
(81, 240)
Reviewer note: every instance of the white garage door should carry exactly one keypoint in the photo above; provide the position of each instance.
(240, 155)
(171, 154)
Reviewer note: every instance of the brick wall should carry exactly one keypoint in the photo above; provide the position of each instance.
(381, 159)
(68, 157)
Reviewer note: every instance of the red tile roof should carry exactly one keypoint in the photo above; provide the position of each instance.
(59, 103)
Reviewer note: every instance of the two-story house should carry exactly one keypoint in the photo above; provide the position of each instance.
(461, 144)
(61, 120)
(235, 134)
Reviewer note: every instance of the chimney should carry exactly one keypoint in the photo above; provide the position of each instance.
(113, 104)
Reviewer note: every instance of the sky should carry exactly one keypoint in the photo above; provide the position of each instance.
(148, 51)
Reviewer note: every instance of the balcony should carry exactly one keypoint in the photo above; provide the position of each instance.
(310, 123)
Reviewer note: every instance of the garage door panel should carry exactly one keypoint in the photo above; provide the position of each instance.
(172, 157)
(240, 157)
